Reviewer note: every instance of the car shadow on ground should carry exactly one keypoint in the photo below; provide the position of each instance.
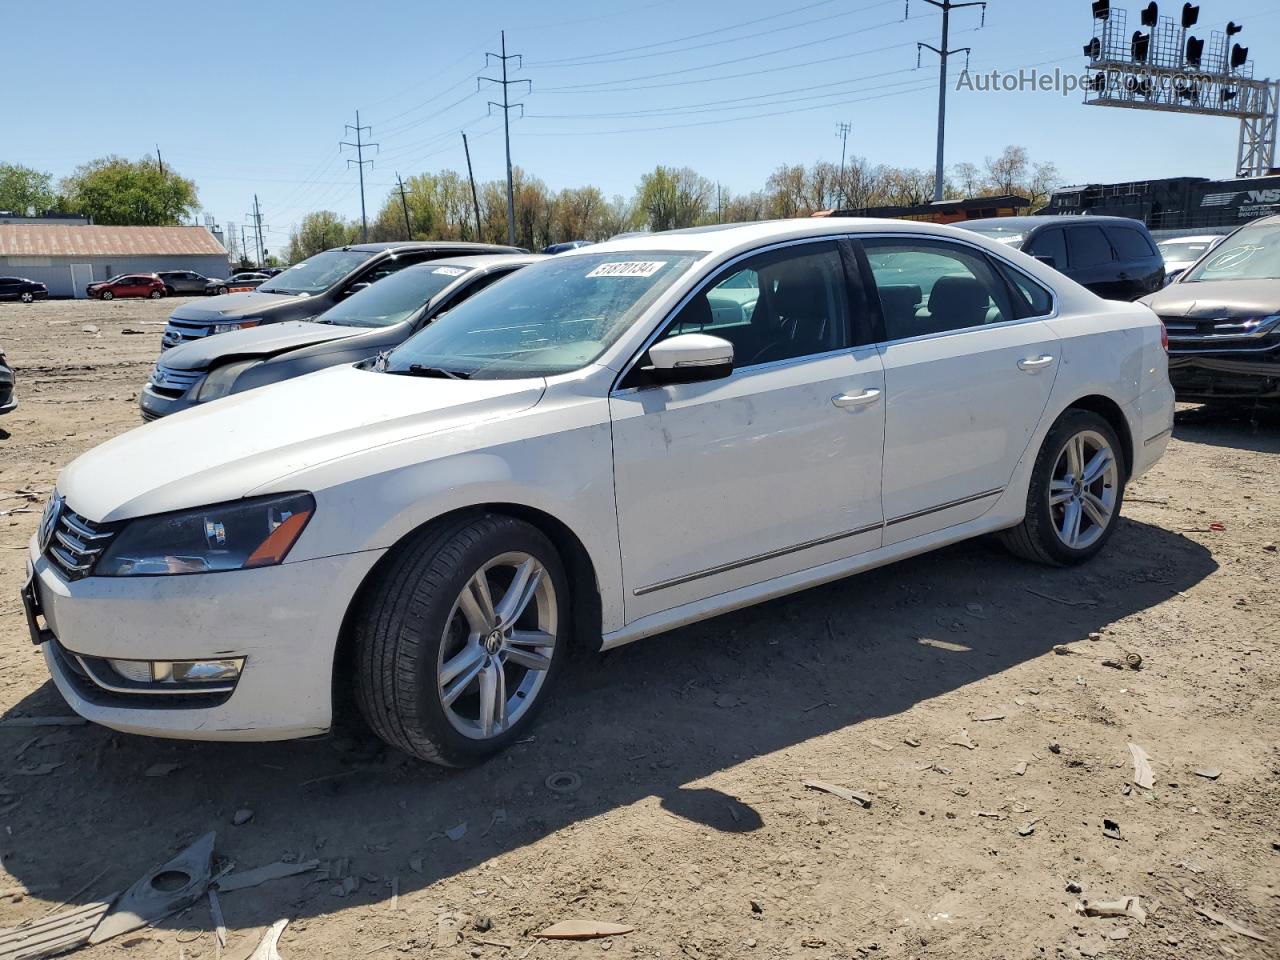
(652, 720)
(1245, 428)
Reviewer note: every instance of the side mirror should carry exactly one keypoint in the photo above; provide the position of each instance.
(1047, 260)
(690, 358)
(356, 288)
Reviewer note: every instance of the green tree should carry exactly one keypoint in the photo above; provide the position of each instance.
(120, 192)
(670, 198)
(319, 231)
(24, 190)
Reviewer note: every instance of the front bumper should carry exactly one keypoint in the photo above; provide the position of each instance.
(1210, 378)
(284, 621)
(155, 405)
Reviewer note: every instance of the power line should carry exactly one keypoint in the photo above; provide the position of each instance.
(360, 161)
(506, 106)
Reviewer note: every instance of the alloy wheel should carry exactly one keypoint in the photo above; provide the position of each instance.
(1083, 489)
(495, 653)
(28, 297)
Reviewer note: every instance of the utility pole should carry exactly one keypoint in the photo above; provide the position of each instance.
(946, 6)
(404, 205)
(360, 161)
(842, 131)
(159, 160)
(244, 246)
(506, 106)
(717, 201)
(256, 217)
(475, 200)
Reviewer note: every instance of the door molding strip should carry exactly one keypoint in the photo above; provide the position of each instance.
(944, 506)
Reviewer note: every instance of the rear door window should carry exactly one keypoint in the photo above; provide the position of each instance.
(1130, 244)
(1088, 246)
(1050, 243)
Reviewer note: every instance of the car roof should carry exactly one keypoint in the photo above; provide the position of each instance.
(1030, 223)
(1192, 238)
(459, 245)
(484, 261)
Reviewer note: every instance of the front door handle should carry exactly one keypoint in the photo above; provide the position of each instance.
(1035, 363)
(856, 400)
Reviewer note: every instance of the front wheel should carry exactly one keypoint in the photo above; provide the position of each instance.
(221, 291)
(108, 295)
(1075, 494)
(460, 638)
(27, 296)
(156, 294)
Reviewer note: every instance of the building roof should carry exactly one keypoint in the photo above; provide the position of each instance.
(55, 240)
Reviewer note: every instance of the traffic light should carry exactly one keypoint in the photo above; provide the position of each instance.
(1227, 94)
(1101, 9)
(1239, 56)
(1098, 83)
(1150, 15)
(1233, 28)
(1189, 91)
(1190, 14)
(1139, 46)
(1093, 49)
(1195, 51)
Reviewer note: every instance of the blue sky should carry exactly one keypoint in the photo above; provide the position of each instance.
(253, 97)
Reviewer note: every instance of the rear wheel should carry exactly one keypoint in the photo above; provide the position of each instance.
(108, 295)
(460, 639)
(222, 290)
(1075, 494)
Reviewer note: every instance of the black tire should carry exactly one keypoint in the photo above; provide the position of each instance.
(108, 295)
(1037, 537)
(400, 627)
(221, 291)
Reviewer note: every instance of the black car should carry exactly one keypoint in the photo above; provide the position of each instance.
(309, 288)
(1115, 257)
(1223, 319)
(20, 288)
(8, 395)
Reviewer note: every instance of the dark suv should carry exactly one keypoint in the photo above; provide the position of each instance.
(182, 282)
(309, 288)
(1115, 257)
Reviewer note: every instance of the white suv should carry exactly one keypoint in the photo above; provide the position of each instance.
(608, 444)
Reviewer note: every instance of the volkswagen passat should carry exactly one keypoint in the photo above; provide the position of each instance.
(606, 445)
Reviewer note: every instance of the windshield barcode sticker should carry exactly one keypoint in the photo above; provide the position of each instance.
(628, 268)
(450, 271)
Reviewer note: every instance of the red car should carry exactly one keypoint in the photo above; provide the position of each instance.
(128, 285)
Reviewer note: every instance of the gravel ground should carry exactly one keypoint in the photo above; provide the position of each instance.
(690, 822)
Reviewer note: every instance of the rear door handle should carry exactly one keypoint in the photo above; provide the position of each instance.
(1035, 363)
(856, 400)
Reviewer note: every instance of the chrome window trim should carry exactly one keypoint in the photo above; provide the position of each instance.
(1053, 313)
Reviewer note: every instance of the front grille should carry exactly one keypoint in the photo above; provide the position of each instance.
(1222, 334)
(75, 543)
(172, 383)
(183, 331)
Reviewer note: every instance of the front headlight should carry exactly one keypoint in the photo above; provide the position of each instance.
(219, 381)
(244, 323)
(230, 536)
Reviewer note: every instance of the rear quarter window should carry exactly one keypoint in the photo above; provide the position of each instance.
(1131, 244)
(1088, 246)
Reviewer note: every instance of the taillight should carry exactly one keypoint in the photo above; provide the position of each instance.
(1164, 336)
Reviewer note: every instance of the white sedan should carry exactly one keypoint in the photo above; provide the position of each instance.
(609, 444)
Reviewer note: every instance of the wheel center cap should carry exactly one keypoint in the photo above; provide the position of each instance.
(493, 642)
(1077, 487)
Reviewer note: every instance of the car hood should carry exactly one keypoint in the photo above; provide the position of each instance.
(1217, 298)
(255, 342)
(222, 451)
(231, 305)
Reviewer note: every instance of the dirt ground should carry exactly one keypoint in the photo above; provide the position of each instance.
(690, 822)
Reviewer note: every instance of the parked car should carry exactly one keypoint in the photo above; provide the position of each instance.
(8, 390)
(1115, 257)
(376, 318)
(565, 247)
(128, 285)
(184, 282)
(1223, 318)
(1181, 252)
(22, 289)
(309, 288)
(596, 449)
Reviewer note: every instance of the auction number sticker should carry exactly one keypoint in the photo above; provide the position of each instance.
(450, 271)
(628, 268)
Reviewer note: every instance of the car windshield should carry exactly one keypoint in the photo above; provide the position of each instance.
(392, 299)
(1251, 254)
(117, 278)
(551, 317)
(1000, 233)
(1182, 250)
(316, 274)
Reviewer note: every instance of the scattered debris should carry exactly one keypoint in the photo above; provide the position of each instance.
(564, 781)
(755, 907)
(1142, 775)
(1020, 768)
(415, 864)
(215, 913)
(844, 794)
(1068, 603)
(457, 833)
(1028, 829)
(242, 816)
(89, 328)
(989, 814)
(54, 934)
(1186, 865)
(449, 928)
(1055, 747)
(988, 717)
(961, 739)
(163, 891)
(1233, 925)
(267, 946)
(1124, 907)
(1131, 661)
(1111, 829)
(583, 930)
(161, 769)
(128, 330)
(1074, 886)
(880, 744)
(944, 645)
(1209, 773)
(1119, 933)
(960, 791)
(911, 741)
(37, 769)
(272, 871)
(975, 610)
